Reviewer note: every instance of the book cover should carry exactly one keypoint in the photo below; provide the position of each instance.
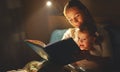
(62, 52)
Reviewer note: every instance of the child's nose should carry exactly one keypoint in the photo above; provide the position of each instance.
(81, 40)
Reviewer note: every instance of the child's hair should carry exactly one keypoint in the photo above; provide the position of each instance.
(88, 19)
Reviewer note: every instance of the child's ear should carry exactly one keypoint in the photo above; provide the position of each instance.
(93, 39)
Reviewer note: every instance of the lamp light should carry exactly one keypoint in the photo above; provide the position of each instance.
(48, 3)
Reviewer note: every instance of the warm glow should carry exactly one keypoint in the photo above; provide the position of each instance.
(49, 3)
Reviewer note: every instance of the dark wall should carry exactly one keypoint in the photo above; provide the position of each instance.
(104, 10)
(14, 54)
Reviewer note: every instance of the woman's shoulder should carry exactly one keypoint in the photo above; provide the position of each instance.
(72, 29)
(69, 33)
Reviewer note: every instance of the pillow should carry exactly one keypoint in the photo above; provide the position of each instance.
(57, 35)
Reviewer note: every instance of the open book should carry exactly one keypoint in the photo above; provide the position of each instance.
(63, 52)
(37, 46)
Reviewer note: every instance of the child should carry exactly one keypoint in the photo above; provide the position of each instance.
(86, 39)
(93, 61)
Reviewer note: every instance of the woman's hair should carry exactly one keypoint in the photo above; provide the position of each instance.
(88, 19)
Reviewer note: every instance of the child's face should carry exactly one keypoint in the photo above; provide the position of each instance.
(84, 41)
(74, 16)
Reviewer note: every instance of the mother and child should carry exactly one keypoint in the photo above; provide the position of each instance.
(91, 39)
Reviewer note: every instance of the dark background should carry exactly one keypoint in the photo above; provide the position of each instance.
(31, 19)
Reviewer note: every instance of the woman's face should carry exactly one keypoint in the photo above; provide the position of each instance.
(74, 16)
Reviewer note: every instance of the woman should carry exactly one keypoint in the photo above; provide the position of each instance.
(78, 15)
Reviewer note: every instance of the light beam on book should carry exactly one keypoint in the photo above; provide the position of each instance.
(38, 49)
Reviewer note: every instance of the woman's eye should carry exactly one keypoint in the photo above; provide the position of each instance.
(84, 39)
(77, 15)
(70, 20)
